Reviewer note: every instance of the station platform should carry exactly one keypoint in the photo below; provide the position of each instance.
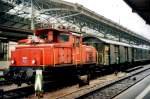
(141, 90)
(3, 66)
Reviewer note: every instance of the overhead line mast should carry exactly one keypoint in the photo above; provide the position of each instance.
(32, 18)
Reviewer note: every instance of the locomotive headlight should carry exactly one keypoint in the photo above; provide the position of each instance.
(33, 61)
(12, 61)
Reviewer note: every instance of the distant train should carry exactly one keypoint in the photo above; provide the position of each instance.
(116, 53)
(61, 52)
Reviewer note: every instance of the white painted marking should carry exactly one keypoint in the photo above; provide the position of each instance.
(142, 94)
(38, 80)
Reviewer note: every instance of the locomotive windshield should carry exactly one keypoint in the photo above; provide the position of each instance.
(43, 36)
(63, 37)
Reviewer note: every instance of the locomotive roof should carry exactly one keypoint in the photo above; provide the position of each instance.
(41, 31)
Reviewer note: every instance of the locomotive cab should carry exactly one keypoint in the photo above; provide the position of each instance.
(55, 36)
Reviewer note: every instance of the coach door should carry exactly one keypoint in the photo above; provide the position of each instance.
(126, 54)
(100, 55)
(106, 55)
(117, 54)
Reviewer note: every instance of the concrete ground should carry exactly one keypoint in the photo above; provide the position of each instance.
(140, 90)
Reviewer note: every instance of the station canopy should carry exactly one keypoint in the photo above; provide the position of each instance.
(142, 7)
(16, 14)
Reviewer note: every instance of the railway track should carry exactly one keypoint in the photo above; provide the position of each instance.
(17, 92)
(3, 81)
(133, 69)
(13, 91)
(111, 90)
(108, 89)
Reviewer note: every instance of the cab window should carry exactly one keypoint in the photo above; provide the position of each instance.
(63, 37)
(43, 36)
(77, 41)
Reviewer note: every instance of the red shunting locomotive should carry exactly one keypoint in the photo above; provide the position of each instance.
(49, 49)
